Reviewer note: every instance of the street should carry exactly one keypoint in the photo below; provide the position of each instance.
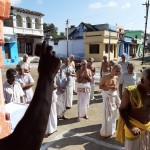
(84, 135)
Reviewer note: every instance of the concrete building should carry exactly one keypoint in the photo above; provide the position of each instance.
(24, 27)
(101, 43)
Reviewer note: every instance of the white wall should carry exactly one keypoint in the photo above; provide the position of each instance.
(76, 47)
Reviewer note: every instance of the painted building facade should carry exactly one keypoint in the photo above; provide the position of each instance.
(22, 31)
(101, 43)
(136, 45)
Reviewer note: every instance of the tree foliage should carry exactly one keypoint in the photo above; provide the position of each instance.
(52, 30)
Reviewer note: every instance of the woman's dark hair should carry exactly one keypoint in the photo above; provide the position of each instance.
(10, 72)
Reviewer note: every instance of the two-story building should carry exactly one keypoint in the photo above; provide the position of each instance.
(22, 31)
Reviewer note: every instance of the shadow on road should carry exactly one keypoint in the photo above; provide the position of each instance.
(88, 137)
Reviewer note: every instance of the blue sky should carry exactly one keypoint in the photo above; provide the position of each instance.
(127, 13)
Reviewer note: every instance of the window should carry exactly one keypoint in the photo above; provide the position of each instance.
(21, 45)
(7, 51)
(8, 22)
(28, 21)
(107, 48)
(37, 24)
(94, 49)
(19, 21)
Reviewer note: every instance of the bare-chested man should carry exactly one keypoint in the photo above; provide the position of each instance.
(105, 67)
(135, 115)
(84, 77)
(92, 67)
(111, 101)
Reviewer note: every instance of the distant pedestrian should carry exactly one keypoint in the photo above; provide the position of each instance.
(25, 63)
(105, 67)
(72, 63)
(92, 67)
(123, 63)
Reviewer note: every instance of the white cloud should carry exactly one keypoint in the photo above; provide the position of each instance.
(15, 2)
(95, 5)
(40, 2)
(112, 4)
(126, 6)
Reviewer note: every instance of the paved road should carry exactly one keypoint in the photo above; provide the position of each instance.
(84, 135)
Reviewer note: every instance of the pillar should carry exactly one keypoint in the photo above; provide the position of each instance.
(5, 129)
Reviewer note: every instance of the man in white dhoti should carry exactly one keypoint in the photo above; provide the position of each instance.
(72, 63)
(105, 67)
(127, 78)
(26, 81)
(111, 101)
(52, 122)
(92, 67)
(70, 73)
(12, 89)
(61, 81)
(84, 78)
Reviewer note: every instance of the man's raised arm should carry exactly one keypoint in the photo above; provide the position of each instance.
(29, 132)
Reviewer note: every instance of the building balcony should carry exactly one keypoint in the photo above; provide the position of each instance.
(21, 30)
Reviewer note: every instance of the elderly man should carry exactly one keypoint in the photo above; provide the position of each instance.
(11, 88)
(61, 81)
(92, 67)
(134, 123)
(127, 79)
(111, 101)
(25, 63)
(70, 73)
(84, 78)
(123, 63)
(26, 81)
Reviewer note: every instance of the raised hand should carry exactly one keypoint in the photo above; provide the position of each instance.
(49, 64)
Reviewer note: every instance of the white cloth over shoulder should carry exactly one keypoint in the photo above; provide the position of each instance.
(83, 90)
(111, 103)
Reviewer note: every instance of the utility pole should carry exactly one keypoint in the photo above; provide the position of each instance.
(109, 44)
(146, 19)
(67, 22)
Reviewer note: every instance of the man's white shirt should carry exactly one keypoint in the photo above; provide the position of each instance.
(124, 66)
(24, 79)
(25, 65)
(12, 93)
(127, 79)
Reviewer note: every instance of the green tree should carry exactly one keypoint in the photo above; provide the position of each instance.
(50, 29)
(62, 35)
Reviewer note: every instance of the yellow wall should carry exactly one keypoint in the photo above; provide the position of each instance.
(101, 38)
